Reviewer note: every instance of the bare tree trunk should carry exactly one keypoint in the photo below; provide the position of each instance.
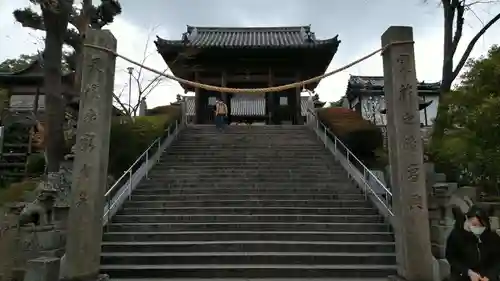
(82, 26)
(453, 26)
(447, 70)
(56, 21)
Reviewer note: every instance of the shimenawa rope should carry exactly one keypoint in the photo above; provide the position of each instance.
(252, 90)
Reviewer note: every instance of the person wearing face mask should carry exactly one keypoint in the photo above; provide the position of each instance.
(473, 250)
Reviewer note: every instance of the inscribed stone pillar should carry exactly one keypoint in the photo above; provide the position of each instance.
(411, 223)
(84, 233)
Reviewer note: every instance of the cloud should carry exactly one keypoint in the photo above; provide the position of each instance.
(359, 23)
(137, 44)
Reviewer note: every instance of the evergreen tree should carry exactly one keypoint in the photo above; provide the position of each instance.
(54, 19)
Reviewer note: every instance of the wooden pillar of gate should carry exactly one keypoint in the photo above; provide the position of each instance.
(298, 103)
(198, 112)
(270, 99)
(225, 96)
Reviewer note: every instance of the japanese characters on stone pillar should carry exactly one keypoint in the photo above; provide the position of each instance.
(90, 168)
(411, 223)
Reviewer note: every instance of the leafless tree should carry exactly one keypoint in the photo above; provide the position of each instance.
(145, 84)
(371, 107)
(454, 12)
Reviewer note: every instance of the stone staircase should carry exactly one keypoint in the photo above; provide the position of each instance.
(254, 202)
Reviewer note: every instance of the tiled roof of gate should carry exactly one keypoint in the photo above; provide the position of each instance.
(249, 37)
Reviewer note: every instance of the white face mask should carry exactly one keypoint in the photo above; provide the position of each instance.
(477, 230)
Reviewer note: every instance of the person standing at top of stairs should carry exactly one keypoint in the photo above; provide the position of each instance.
(220, 114)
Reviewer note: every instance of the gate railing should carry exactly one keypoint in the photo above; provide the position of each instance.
(122, 189)
(369, 183)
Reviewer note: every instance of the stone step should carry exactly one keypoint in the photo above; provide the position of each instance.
(260, 127)
(241, 258)
(247, 271)
(336, 186)
(14, 154)
(252, 128)
(249, 172)
(248, 226)
(245, 180)
(202, 167)
(347, 192)
(248, 246)
(309, 236)
(252, 279)
(13, 165)
(211, 164)
(358, 199)
(247, 131)
(260, 208)
(221, 207)
(236, 219)
(255, 142)
(235, 145)
(290, 175)
(263, 158)
(236, 139)
(248, 153)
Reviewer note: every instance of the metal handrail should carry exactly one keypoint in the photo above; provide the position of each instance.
(114, 195)
(355, 167)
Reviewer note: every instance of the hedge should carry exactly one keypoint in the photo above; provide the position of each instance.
(129, 139)
(361, 136)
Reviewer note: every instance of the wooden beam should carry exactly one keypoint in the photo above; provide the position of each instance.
(197, 100)
(298, 108)
(223, 83)
(270, 96)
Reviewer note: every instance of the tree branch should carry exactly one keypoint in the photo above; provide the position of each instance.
(459, 7)
(471, 45)
(123, 106)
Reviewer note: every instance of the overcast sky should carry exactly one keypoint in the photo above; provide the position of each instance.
(359, 24)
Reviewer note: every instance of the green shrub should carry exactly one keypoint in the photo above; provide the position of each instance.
(129, 139)
(36, 164)
(164, 110)
(359, 135)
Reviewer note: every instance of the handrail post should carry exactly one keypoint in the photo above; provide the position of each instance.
(175, 131)
(130, 184)
(158, 151)
(108, 215)
(324, 136)
(147, 164)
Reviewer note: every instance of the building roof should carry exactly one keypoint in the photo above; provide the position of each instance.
(245, 106)
(356, 81)
(248, 37)
(366, 85)
(31, 75)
